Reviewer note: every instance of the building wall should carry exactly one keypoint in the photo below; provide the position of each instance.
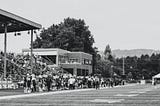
(77, 67)
(81, 62)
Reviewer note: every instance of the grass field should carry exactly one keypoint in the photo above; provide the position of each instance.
(137, 95)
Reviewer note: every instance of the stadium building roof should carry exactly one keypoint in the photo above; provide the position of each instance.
(15, 23)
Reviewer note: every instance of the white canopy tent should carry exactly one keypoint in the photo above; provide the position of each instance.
(154, 78)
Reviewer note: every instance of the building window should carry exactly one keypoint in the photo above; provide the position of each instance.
(86, 62)
(63, 59)
(73, 60)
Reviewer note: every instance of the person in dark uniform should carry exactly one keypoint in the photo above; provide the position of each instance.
(33, 82)
(48, 82)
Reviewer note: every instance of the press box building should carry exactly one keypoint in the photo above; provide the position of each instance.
(76, 63)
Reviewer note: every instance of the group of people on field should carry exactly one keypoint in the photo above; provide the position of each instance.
(48, 82)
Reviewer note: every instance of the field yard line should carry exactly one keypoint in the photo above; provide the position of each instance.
(106, 100)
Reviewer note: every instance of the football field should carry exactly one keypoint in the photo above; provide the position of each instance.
(129, 95)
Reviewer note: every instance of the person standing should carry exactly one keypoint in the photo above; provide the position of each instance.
(33, 82)
(40, 83)
(97, 81)
(28, 83)
(48, 82)
(89, 82)
(25, 84)
(71, 82)
(111, 83)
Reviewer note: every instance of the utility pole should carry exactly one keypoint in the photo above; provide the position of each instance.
(123, 67)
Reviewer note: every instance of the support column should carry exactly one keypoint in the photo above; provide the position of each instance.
(75, 71)
(57, 59)
(31, 51)
(5, 49)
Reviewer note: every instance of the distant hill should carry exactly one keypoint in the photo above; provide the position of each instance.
(133, 52)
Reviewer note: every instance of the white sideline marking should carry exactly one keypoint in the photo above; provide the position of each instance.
(137, 92)
(106, 100)
(130, 95)
(40, 94)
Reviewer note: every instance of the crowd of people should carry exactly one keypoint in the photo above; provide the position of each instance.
(51, 82)
(19, 64)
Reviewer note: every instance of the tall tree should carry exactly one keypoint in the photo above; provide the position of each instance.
(108, 54)
(104, 65)
(72, 35)
(107, 50)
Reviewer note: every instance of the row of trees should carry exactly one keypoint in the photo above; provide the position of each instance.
(143, 67)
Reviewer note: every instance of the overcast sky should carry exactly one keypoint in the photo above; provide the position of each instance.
(123, 24)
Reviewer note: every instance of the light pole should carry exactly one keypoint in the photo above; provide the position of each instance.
(123, 67)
